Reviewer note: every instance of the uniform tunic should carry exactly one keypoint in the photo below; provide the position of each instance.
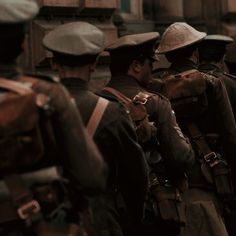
(116, 140)
(175, 150)
(77, 153)
(228, 80)
(202, 204)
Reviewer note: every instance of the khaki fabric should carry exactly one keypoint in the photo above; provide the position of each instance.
(203, 214)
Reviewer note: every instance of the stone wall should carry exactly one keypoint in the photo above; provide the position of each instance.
(144, 16)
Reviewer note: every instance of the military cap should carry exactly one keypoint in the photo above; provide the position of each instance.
(218, 38)
(134, 45)
(17, 11)
(214, 44)
(75, 39)
(231, 51)
(179, 35)
(133, 40)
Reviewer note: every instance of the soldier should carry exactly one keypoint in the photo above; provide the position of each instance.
(75, 48)
(211, 60)
(131, 66)
(211, 56)
(58, 134)
(212, 123)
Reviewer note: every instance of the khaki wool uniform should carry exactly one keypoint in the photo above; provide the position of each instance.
(120, 209)
(174, 148)
(76, 153)
(203, 208)
(213, 48)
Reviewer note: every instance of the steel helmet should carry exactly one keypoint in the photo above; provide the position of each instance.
(179, 35)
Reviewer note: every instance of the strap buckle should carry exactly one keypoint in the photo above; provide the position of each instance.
(211, 158)
(141, 98)
(28, 209)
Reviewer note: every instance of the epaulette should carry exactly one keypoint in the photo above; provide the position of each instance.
(44, 77)
(229, 75)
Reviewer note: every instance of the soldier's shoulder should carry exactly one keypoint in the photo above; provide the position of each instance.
(160, 72)
(43, 77)
(156, 95)
(209, 77)
(107, 96)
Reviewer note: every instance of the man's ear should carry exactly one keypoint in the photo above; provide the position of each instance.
(136, 66)
(53, 64)
(24, 43)
(94, 65)
(195, 55)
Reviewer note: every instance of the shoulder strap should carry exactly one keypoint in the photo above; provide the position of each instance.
(97, 115)
(141, 97)
(186, 72)
(209, 156)
(117, 94)
(14, 86)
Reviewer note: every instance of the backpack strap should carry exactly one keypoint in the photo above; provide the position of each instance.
(141, 97)
(97, 115)
(14, 86)
(198, 138)
(186, 72)
(121, 97)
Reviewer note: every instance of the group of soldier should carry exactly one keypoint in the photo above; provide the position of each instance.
(107, 180)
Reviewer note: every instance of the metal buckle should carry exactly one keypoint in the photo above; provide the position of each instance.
(28, 209)
(211, 158)
(140, 98)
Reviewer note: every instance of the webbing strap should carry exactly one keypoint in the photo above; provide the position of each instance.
(141, 97)
(14, 86)
(209, 156)
(117, 94)
(198, 138)
(97, 115)
(186, 72)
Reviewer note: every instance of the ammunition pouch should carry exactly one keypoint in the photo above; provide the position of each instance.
(167, 202)
(217, 172)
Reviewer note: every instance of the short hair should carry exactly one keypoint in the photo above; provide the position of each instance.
(179, 54)
(73, 61)
(122, 58)
(211, 51)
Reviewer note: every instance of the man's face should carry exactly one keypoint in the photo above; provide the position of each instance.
(146, 71)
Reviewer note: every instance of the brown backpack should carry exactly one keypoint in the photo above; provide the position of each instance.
(186, 91)
(21, 143)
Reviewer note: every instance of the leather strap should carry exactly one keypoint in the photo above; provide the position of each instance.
(14, 86)
(121, 97)
(204, 150)
(141, 97)
(97, 115)
(186, 72)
